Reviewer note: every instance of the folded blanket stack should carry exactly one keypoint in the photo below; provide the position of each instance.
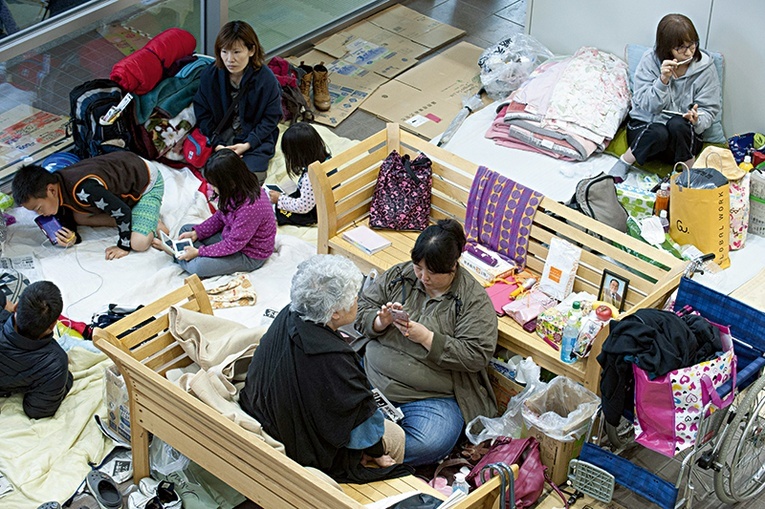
(568, 108)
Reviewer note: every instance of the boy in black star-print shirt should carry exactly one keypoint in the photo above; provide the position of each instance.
(117, 189)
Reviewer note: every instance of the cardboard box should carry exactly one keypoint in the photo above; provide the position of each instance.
(504, 388)
(349, 85)
(117, 402)
(425, 99)
(415, 26)
(555, 455)
(389, 42)
(373, 48)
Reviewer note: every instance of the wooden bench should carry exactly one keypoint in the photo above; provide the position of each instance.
(217, 444)
(344, 185)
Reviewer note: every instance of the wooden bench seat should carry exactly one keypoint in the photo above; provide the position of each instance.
(344, 186)
(220, 446)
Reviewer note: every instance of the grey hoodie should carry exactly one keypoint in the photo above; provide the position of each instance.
(700, 85)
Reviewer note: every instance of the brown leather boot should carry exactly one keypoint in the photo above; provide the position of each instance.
(321, 98)
(306, 81)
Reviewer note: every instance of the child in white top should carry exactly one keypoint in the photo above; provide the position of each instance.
(301, 145)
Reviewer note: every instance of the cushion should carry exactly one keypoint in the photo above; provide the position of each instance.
(633, 54)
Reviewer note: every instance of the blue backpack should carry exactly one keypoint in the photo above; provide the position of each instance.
(88, 103)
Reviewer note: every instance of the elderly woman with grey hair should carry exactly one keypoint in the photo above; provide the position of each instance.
(307, 388)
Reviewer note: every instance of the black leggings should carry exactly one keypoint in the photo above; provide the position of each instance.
(672, 142)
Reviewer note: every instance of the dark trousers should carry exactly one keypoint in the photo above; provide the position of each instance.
(672, 142)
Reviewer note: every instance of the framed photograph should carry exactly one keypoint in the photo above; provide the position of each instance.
(613, 288)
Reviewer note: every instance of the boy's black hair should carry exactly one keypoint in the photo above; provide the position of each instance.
(236, 184)
(440, 245)
(39, 307)
(31, 181)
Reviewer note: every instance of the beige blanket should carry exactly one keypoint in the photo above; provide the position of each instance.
(47, 459)
(222, 350)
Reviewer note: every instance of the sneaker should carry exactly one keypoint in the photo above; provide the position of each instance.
(104, 490)
(164, 491)
(138, 500)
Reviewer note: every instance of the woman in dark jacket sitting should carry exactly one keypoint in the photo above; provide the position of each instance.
(306, 386)
(240, 76)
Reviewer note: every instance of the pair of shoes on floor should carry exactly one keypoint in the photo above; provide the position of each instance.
(317, 77)
(153, 494)
(104, 490)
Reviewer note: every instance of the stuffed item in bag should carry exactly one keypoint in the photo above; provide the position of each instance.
(699, 211)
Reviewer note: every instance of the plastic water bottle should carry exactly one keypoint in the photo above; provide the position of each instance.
(568, 341)
(460, 483)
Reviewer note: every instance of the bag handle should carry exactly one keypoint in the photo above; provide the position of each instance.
(711, 392)
(719, 157)
(685, 166)
(408, 167)
(229, 114)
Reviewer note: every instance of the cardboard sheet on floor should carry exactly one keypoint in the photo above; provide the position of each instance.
(425, 99)
(349, 86)
(419, 28)
(373, 48)
(389, 42)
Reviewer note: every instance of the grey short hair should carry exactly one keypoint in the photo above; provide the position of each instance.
(322, 285)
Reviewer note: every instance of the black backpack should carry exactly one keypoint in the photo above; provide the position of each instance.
(294, 106)
(88, 103)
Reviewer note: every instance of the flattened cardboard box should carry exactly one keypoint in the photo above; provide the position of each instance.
(425, 99)
(389, 42)
(415, 26)
(373, 48)
(349, 85)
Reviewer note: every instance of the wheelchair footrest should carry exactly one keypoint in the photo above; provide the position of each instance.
(591, 480)
(633, 477)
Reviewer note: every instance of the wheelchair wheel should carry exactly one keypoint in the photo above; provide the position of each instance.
(742, 454)
(622, 435)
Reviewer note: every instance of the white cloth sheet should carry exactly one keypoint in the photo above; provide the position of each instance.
(557, 180)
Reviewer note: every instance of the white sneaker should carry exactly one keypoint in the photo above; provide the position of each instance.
(138, 500)
(163, 490)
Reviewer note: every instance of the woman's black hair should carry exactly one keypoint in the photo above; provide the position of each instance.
(675, 30)
(236, 184)
(233, 33)
(440, 246)
(301, 146)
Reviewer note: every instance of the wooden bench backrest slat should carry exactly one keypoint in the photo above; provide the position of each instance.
(367, 164)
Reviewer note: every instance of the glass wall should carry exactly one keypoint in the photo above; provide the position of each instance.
(48, 47)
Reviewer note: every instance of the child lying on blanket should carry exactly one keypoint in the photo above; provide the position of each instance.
(31, 361)
(117, 189)
(240, 236)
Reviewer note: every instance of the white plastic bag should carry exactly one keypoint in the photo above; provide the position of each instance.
(511, 422)
(164, 459)
(508, 63)
(562, 410)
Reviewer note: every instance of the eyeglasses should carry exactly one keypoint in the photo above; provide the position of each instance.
(686, 47)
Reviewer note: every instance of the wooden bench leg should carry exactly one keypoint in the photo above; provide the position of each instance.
(139, 441)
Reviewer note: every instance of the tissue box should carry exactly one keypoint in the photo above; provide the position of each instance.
(638, 202)
(483, 272)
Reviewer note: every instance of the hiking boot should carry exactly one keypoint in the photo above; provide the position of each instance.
(321, 98)
(305, 81)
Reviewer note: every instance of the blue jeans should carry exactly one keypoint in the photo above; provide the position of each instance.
(432, 427)
(207, 266)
